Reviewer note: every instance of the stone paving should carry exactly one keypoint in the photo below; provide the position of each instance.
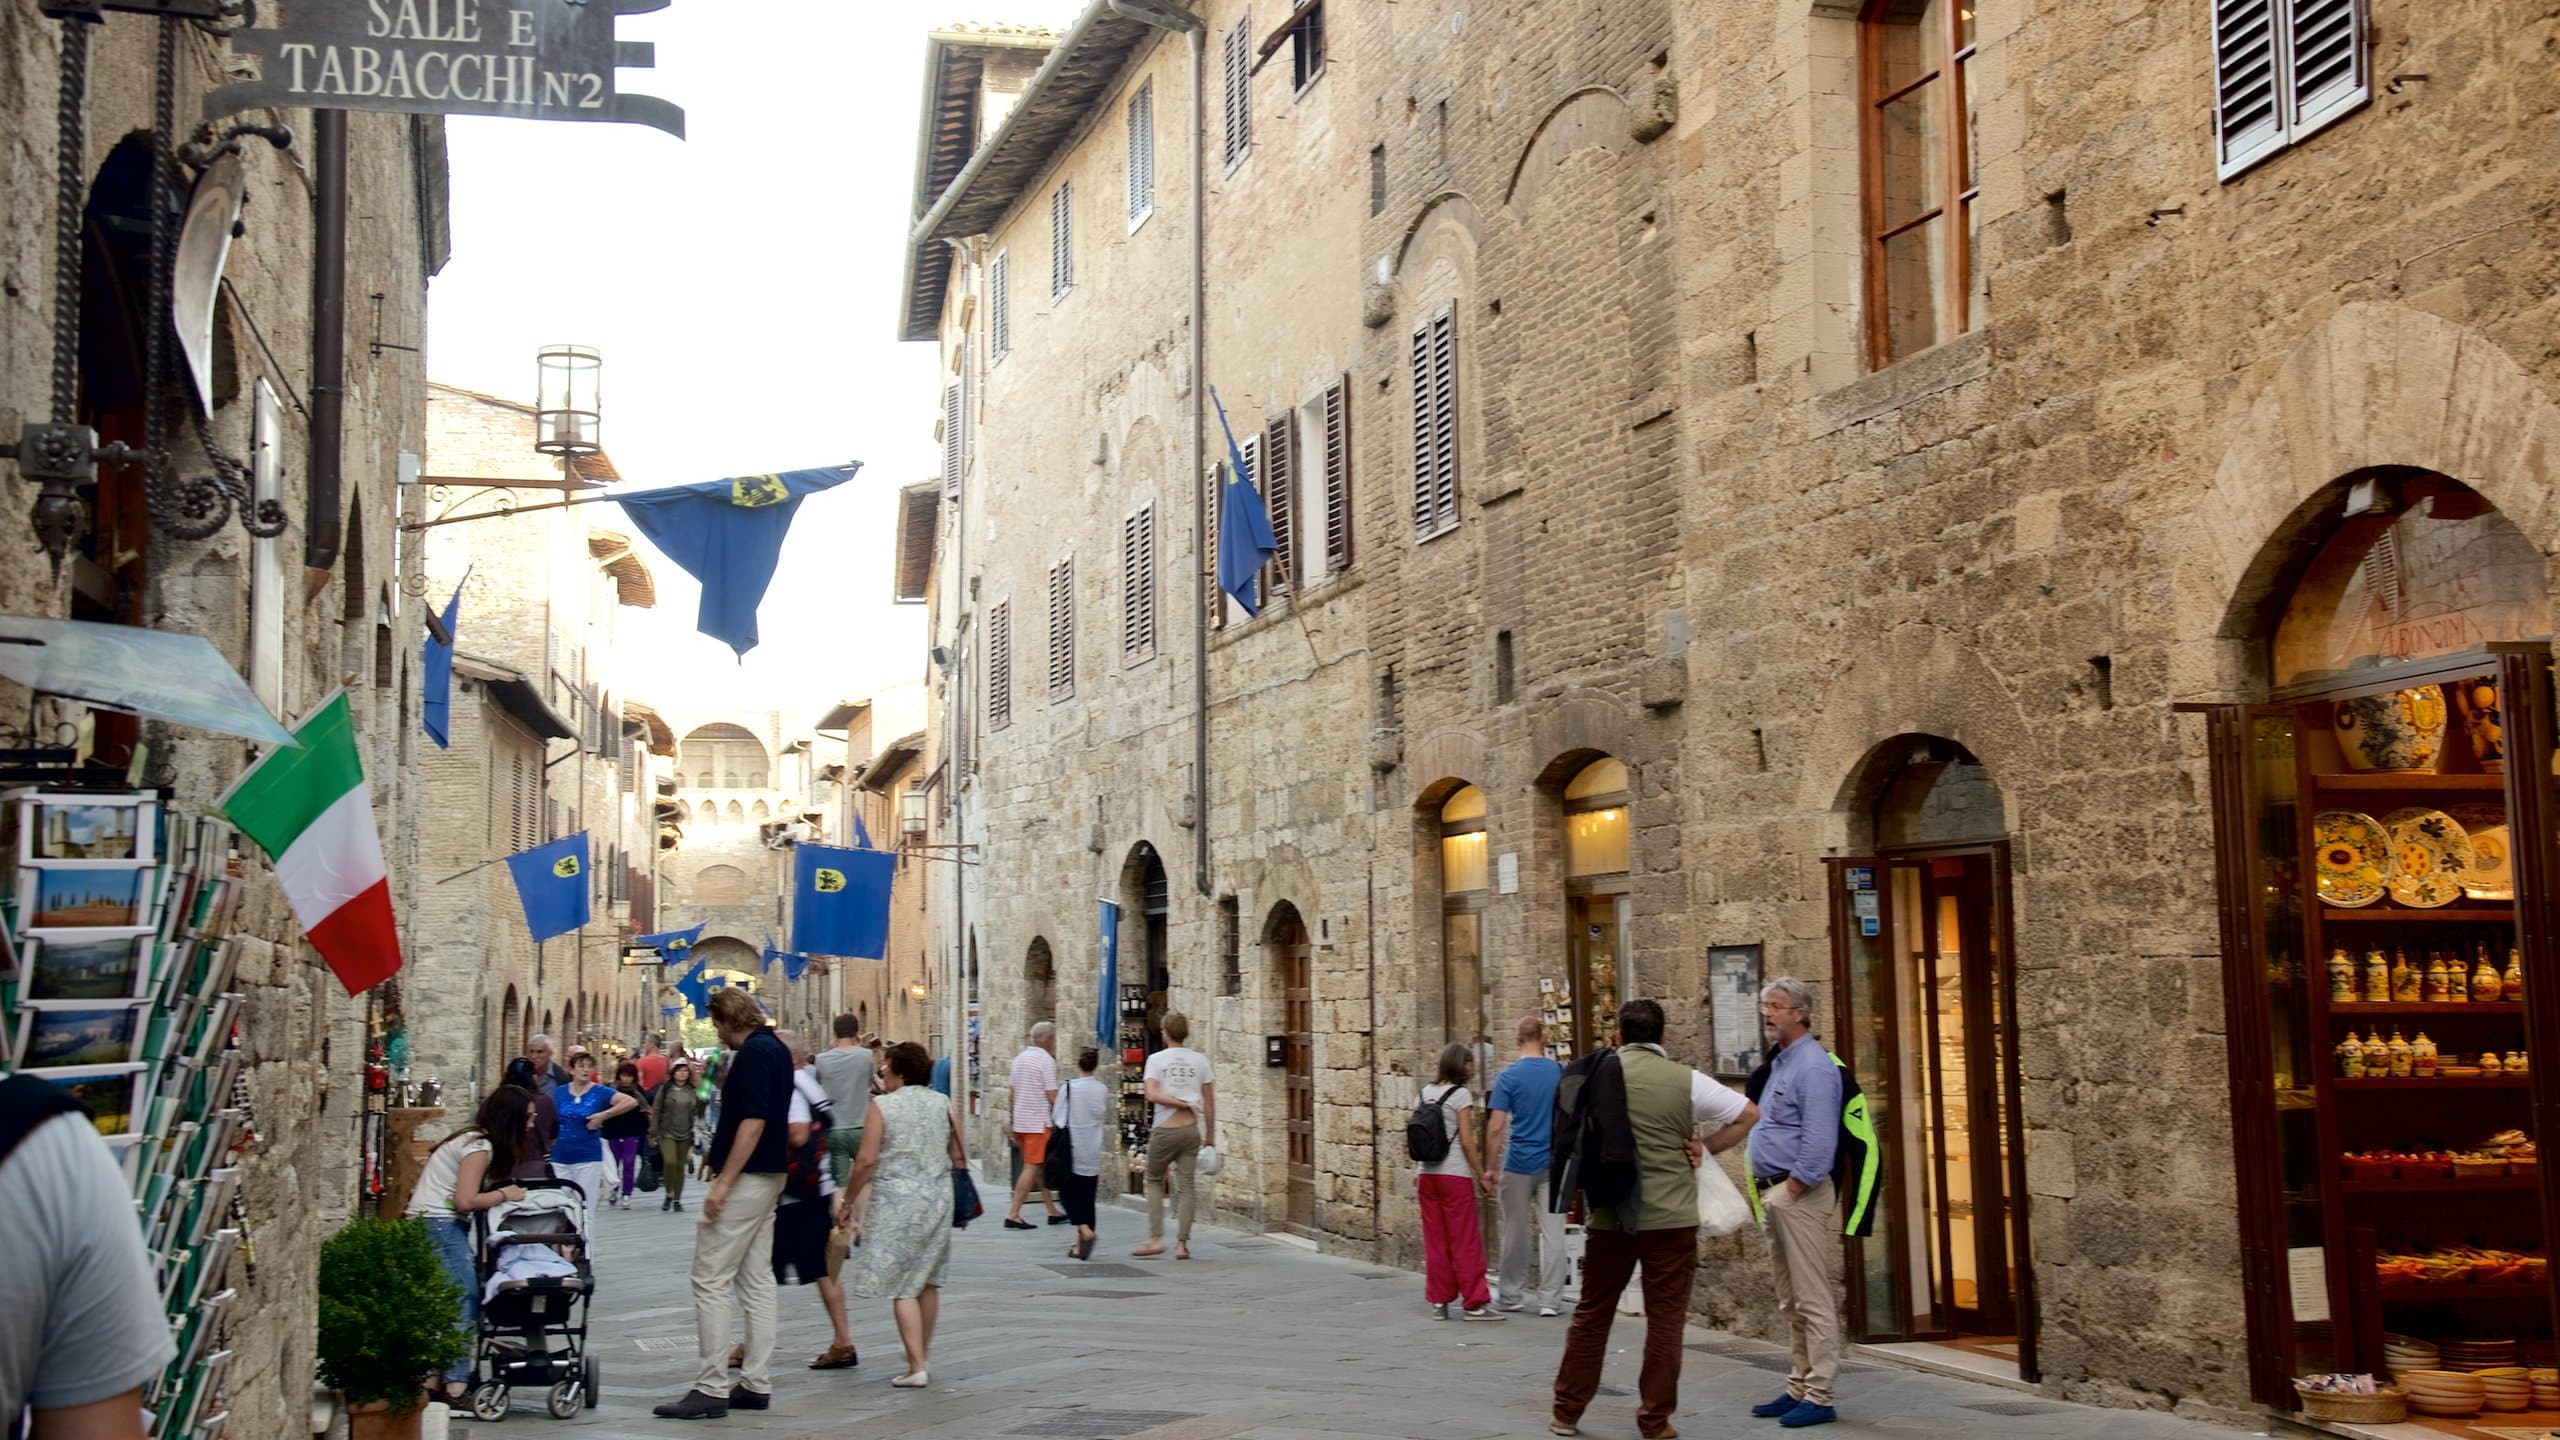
(1254, 1338)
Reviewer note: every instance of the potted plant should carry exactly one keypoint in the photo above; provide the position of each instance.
(389, 1321)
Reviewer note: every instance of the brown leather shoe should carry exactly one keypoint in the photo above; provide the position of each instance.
(837, 1357)
(1665, 1433)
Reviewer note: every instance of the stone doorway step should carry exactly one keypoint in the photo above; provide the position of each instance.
(1952, 1361)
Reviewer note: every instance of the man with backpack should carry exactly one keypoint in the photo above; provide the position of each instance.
(1638, 1101)
(1792, 1154)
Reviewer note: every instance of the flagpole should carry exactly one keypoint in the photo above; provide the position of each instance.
(501, 514)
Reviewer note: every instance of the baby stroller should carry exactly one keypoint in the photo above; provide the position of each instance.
(535, 1286)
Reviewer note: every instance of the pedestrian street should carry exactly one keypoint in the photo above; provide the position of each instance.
(1254, 1338)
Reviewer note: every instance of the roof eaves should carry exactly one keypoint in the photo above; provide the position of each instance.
(919, 516)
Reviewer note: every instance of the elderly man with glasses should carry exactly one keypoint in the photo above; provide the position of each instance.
(1791, 1155)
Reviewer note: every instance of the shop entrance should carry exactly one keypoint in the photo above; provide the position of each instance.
(1289, 947)
(1925, 1010)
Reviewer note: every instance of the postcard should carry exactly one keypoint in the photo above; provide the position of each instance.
(61, 1035)
(72, 829)
(107, 1092)
(108, 967)
(84, 899)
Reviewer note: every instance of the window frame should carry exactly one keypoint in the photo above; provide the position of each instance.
(1340, 523)
(1278, 484)
(1062, 629)
(1062, 241)
(1000, 665)
(1138, 641)
(1141, 157)
(1437, 437)
(2290, 121)
(1952, 295)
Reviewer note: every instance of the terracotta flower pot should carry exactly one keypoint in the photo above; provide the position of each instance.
(378, 1421)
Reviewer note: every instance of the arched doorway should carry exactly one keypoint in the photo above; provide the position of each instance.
(1039, 982)
(1146, 896)
(1923, 1009)
(510, 1029)
(1292, 959)
(1599, 963)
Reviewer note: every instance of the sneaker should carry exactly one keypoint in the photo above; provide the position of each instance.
(1548, 1312)
(1772, 1409)
(1512, 1307)
(743, 1398)
(1807, 1413)
(1439, 1312)
(1482, 1312)
(694, 1406)
(1559, 1426)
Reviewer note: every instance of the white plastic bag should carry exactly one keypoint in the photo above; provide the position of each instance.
(1721, 1208)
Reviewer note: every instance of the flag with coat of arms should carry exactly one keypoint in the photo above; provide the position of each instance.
(552, 882)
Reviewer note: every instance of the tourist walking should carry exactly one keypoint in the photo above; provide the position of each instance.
(577, 1152)
(1184, 1091)
(911, 1144)
(1034, 1078)
(673, 1108)
(1446, 1187)
(1522, 1106)
(807, 1211)
(1791, 1154)
(653, 1064)
(1084, 1109)
(627, 1130)
(1655, 1225)
(733, 1244)
(845, 1070)
(453, 1185)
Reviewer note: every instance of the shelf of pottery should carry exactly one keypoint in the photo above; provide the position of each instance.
(2436, 1170)
(1137, 1117)
(115, 985)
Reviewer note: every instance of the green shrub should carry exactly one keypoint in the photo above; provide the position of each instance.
(389, 1317)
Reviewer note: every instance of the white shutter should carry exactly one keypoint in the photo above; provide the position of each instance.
(1062, 629)
(1239, 95)
(1062, 240)
(2282, 70)
(951, 440)
(1000, 665)
(2331, 70)
(1213, 601)
(2247, 57)
(1000, 308)
(1142, 153)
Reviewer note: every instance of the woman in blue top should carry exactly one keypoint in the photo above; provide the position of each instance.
(577, 1152)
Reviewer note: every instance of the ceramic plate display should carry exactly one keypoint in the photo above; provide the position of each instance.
(2403, 730)
(2430, 857)
(2492, 875)
(2352, 853)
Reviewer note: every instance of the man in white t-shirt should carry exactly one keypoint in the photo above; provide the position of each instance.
(1182, 1087)
(1034, 1078)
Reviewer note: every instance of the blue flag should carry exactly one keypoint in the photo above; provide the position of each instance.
(861, 834)
(793, 966)
(1106, 1020)
(672, 945)
(1245, 542)
(696, 993)
(552, 881)
(840, 901)
(770, 955)
(728, 535)
(435, 674)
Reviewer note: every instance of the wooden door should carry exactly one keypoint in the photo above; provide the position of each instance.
(1299, 1042)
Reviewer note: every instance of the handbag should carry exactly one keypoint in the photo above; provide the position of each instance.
(965, 1205)
(1058, 1162)
(1721, 1208)
(653, 1172)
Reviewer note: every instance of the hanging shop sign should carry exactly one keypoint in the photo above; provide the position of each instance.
(525, 59)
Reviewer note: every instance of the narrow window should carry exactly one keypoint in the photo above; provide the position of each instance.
(1279, 487)
(1337, 477)
(1230, 946)
(1062, 241)
(1062, 629)
(1138, 586)
(1377, 179)
(1435, 424)
(1306, 46)
(1919, 182)
(1212, 599)
(1504, 678)
(1000, 665)
(1239, 77)
(951, 440)
(1000, 308)
(2282, 70)
(1142, 154)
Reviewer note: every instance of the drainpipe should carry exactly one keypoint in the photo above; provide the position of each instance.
(1201, 540)
(324, 518)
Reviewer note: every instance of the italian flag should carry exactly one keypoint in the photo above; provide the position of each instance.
(310, 810)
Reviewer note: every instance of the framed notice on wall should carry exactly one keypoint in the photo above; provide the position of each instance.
(1733, 1004)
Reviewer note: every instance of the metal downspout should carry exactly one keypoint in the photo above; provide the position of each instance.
(324, 517)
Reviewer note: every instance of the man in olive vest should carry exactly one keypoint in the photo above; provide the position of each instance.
(1657, 1227)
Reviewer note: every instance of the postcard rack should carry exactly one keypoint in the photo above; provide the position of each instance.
(116, 968)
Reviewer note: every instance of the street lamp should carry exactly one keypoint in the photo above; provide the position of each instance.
(568, 403)
(915, 814)
(917, 990)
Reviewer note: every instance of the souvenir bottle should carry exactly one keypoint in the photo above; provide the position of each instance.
(2398, 1056)
(2377, 978)
(2457, 981)
(2351, 1057)
(2342, 977)
(2439, 989)
(2490, 1064)
(2408, 982)
(2516, 1062)
(2485, 984)
(2513, 981)
(2422, 1057)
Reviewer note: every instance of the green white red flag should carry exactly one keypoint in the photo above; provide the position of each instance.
(310, 810)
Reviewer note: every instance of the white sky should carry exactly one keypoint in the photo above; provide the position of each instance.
(742, 285)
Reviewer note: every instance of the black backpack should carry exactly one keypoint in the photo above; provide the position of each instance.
(804, 1166)
(1426, 1139)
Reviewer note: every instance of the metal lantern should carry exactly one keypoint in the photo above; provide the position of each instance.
(914, 812)
(917, 989)
(568, 418)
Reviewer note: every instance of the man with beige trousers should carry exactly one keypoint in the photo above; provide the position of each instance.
(1791, 1153)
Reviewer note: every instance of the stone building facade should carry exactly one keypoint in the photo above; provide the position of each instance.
(297, 631)
(1791, 537)
(742, 779)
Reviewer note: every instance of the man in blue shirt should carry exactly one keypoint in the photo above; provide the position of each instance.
(1523, 1106)
(942, 1076)
(1791, 1153)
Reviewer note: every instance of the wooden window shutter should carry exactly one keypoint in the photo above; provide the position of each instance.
(1279, 487)
(1435, 423)
(951, 440)
(1000, 307)
(2283, 69)
(1213, 601)
(1138, 585)
(2331, 70)
(1062, 240)
(1142, 152)
(1337, 477)
(2247, 61)
(1062, 629)
(1239, 78)
(1000, 665)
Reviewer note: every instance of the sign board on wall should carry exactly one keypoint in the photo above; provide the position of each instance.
(522, 59)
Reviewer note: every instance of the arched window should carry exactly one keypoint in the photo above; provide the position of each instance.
(1597, 962)
(723, 757)
(720, 885)
(510, 1031)
(736, 814)
(762, 812)
(1464, 888)
(1040, 981)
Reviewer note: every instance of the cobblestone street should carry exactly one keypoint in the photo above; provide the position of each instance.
(1254, 1338)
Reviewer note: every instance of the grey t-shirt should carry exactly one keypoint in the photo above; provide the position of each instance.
(83, 1322)
(846, 1073)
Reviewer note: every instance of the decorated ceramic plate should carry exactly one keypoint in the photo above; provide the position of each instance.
(2492, 875)
(2430, 857)
(2352, 853)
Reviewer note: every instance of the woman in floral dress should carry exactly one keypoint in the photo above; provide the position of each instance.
(901, 1187)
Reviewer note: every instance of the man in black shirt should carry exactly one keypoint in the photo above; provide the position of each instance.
(733, 1246)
